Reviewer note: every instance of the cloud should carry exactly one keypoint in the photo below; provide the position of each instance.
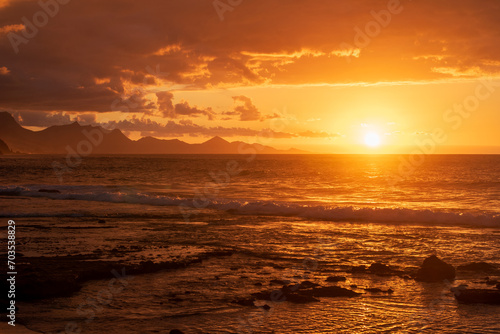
(245, 109)
(43, 119)
(169, 110)
(320, 134)
(10, 28)
(148, 127)
(259, 43)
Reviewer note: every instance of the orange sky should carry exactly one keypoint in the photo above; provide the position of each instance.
(313, 75)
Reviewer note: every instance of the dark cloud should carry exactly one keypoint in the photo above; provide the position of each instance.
(42, 119)
(245, 109)
(169, 110)
(91, 52)
(148, 127)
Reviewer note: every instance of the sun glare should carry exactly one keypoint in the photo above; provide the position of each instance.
(372, 139)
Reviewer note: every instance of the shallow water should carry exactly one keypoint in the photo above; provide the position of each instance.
(197, 299)
(295, 218)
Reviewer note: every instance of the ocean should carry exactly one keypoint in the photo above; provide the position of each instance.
(215, 229)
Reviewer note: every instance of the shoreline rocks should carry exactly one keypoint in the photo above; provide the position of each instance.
(336, 279)
(305, 292)
(434, 269)
(478, 267)
(477, 296)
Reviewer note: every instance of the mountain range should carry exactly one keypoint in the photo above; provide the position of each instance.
(87, 139)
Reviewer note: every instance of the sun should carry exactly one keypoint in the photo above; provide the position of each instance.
(372, 139)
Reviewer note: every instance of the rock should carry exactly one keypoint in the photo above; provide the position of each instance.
(266, 307)
(279, 282)
(258, 284)
(381, 269)
(298, 298)
(498, 286)
(435, 270)
(50, 191)
(101, 221)
(353, 286)
(358, 269)
(336, 279)
(307, 285)
(333, 291)
(245, 302)
(303, 293)
(378, 290)
(176, 331)
(176, 300)
(477, 296)
(378, 267)
(491, 282)
(478, 267)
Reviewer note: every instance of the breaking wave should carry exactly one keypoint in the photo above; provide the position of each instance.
(243, 207)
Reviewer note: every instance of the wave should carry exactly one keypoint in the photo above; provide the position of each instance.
(243, 207)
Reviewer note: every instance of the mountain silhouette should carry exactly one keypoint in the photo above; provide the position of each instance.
(87, 139)
(4, 149)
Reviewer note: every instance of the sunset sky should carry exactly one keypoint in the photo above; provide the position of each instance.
(326, 76)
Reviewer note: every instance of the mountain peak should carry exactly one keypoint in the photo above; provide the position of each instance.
(216, 141)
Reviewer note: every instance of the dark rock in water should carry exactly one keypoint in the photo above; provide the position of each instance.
(381, 269)
(491, 282)
(307, 285)
(258, 284)
(245, 302)
(299, 298)
(304, 292)
(266, 307)
(101, 221)
(36, 287)
(279, 282)
(435, 270)
(176, 331)
(176, 300)
(336, 279)
(333, 291)
(477, 296)
(354, 286)
(50, 191)
(498, 286)
(378, 290)
(478, 267)
(358, 269)
(378, 267)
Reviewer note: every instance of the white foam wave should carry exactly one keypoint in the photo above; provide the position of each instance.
(326, 212)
